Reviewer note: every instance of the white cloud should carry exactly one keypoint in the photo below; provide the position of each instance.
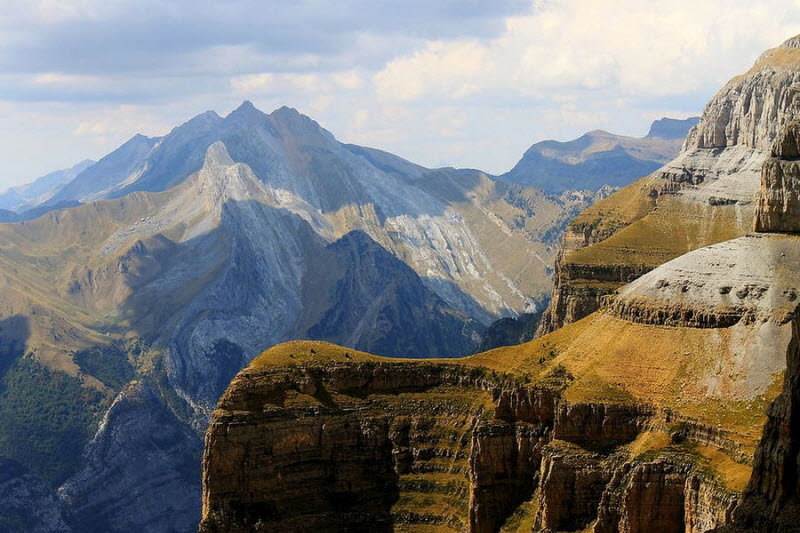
(279, 82)
(439, 95)
(446, 69)
(632, 47)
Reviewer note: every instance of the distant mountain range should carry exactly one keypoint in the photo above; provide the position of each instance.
(41, 190)
(599, 158)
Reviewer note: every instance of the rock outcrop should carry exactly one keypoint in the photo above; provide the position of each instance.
(771, 500)
(28, 504)
(778, 201)
(140, 470)
(702, 197)
(372, 445)
(336, 439)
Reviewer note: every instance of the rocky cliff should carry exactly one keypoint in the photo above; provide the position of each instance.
(314, 436)
(28, 503)
(778, 201)
(772, 497)
(702, 197)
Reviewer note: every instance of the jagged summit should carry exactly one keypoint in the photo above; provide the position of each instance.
(217, 154)
(246, 106)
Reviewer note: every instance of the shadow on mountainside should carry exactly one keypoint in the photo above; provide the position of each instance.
(14, 333)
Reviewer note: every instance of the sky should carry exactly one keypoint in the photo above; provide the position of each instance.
(464, 83)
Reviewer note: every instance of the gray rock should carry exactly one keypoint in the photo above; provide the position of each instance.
(141, 470)
(28, 505)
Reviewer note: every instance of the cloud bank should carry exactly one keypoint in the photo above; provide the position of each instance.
(462, 83)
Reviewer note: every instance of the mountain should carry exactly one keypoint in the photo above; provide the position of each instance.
(155, 275)
(41, 189)
(670, 128)
(668, 403)
(28, 504)
(599, 158)
(110, 173)
(702, 197)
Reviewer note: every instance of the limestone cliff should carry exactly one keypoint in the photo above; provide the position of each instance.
(317, 437)
(772, 497)
(702, 197)
(778, 201)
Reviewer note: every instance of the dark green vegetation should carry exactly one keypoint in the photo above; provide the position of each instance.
(46, 418)
(109, 364)
(510, 331)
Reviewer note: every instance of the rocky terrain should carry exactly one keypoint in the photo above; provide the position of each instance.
(124, 317)
(673, 404)
(28, 503)
(599, 158)
(704, 196)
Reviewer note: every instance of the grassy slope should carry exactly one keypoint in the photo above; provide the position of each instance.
(612, 361)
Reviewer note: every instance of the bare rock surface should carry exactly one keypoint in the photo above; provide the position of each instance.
(141, 470)
(752, 278)
(778, 202)
(29, 505)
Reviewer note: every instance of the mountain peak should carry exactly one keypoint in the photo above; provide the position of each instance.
(217, 154)
(671, 128)
(298, 124)
(245, 108)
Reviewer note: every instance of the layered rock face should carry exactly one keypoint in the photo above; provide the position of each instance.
(339, 440)
(370, 445)
(702, 197)
(778, 202)
(772, 498)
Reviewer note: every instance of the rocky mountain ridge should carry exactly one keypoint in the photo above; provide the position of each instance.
(599, 158)
(704, 196)
(278, 232)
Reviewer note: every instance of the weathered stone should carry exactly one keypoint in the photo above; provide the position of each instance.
(28, 504)
(778, 201)
(771, 500)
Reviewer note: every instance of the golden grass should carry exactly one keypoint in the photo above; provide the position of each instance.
(609, 360)
(523, 518)
(734, 475)
(624, 207)
(673, 229)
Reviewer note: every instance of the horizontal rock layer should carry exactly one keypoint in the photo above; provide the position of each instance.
(383, 446)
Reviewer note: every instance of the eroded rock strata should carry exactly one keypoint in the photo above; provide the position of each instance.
(702, 197)
(354, 445)
(778, 202)
(772, 497)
